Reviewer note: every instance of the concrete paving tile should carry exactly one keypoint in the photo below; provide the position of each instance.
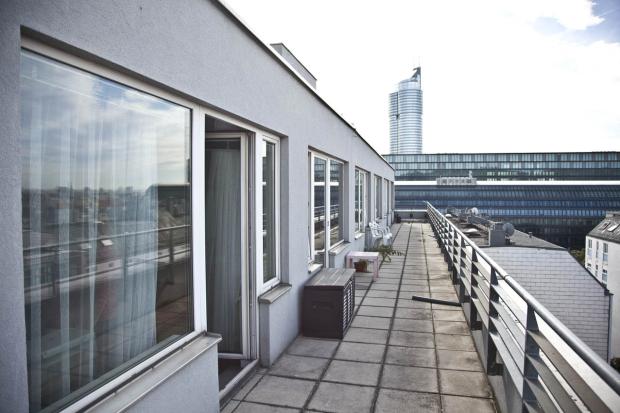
(372, 353)
(345, 398)
(246, 407)
(247, 386)
(384, 287)
(454, 342)
(405, 324)
(299, 367)
(446, 307)
(372, 311)
(371, 322)
(411, 339)
(413, 288)
(459, 360)
(464, 383)
(458, 404)
(306, 346)
(409, 303)
(451, 327)
(382, 293)
(353, 372)
(445, 296)
(396, 401)
(230, 406)
(448, 315)
(380, 302)
(366, 335)
(409, 378)
(411, 356)
(413, 313)
(281, 391)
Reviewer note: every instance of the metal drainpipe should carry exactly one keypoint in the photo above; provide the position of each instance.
(609, 327)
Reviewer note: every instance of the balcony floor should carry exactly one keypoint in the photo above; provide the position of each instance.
(397, 356)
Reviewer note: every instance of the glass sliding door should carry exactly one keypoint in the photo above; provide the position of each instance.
(225, 214)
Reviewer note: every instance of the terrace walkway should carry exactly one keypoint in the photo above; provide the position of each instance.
(398, 355)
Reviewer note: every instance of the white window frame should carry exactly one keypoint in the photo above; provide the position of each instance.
(197, 180)
(363, 210)
(378, 195)
(265, 286)
(327, 184)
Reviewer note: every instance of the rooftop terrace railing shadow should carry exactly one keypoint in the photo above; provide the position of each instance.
(533, 361)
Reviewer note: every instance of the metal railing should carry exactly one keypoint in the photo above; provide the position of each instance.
(541, 365)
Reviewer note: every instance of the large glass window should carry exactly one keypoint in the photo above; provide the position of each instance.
(106, 227)
(270, 247)
(360, 200)
(336, 206)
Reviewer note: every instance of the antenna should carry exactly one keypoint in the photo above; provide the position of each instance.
(508, 229)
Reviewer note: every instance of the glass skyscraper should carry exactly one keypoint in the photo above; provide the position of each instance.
(406, 116)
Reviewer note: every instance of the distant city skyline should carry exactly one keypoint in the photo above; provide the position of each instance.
(499, 76)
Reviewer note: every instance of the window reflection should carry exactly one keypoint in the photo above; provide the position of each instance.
(106, 227)
(335, 200)
(318, 184)
(269, 211)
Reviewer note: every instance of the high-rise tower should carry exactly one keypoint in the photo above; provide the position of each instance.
(406, 115)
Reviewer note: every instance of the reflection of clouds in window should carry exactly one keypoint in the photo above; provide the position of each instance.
(102, 121)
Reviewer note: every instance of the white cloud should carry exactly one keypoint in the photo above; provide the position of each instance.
(491, 81)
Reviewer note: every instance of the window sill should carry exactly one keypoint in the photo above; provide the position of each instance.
(274, 294)
(135, 390)
(339, 248)
(359, 235)
(314, 268)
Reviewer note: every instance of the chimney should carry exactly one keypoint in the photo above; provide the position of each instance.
(530, 234)
(299, 68)
(497, 237)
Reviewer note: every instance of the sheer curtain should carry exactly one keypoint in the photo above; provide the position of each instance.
(223, 242)
(90, 220)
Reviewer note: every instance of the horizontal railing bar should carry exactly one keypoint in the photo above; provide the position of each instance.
(509, 364)
(560, 394)
(505, 316)
(512, 306)
(542, 398)
(482, 299)
(511, 345)
(566, 370)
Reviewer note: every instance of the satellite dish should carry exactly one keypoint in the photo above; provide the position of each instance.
(509, 229)
(474, 211)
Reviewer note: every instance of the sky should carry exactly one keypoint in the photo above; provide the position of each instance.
(497, 75)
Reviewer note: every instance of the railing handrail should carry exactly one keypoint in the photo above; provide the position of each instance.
(591, 358)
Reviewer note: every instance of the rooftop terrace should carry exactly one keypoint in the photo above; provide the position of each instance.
(398, 355)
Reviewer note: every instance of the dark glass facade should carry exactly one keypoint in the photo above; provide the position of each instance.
(508, 166)
(562, 214)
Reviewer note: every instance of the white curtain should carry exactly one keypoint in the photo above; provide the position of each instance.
(90, 229)
(223, 242)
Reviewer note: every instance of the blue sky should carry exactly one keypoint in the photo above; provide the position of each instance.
(498, 75)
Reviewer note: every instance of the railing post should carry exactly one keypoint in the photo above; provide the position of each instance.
(492, 366)
(532, 350)
(474, 323)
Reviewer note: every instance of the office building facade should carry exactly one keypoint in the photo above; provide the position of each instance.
(559, 197)
(405, 109)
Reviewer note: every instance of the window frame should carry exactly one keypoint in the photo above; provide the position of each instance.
(262, 285)
(362, 213)
(313, 154)
(378, 192)
(198, 114)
